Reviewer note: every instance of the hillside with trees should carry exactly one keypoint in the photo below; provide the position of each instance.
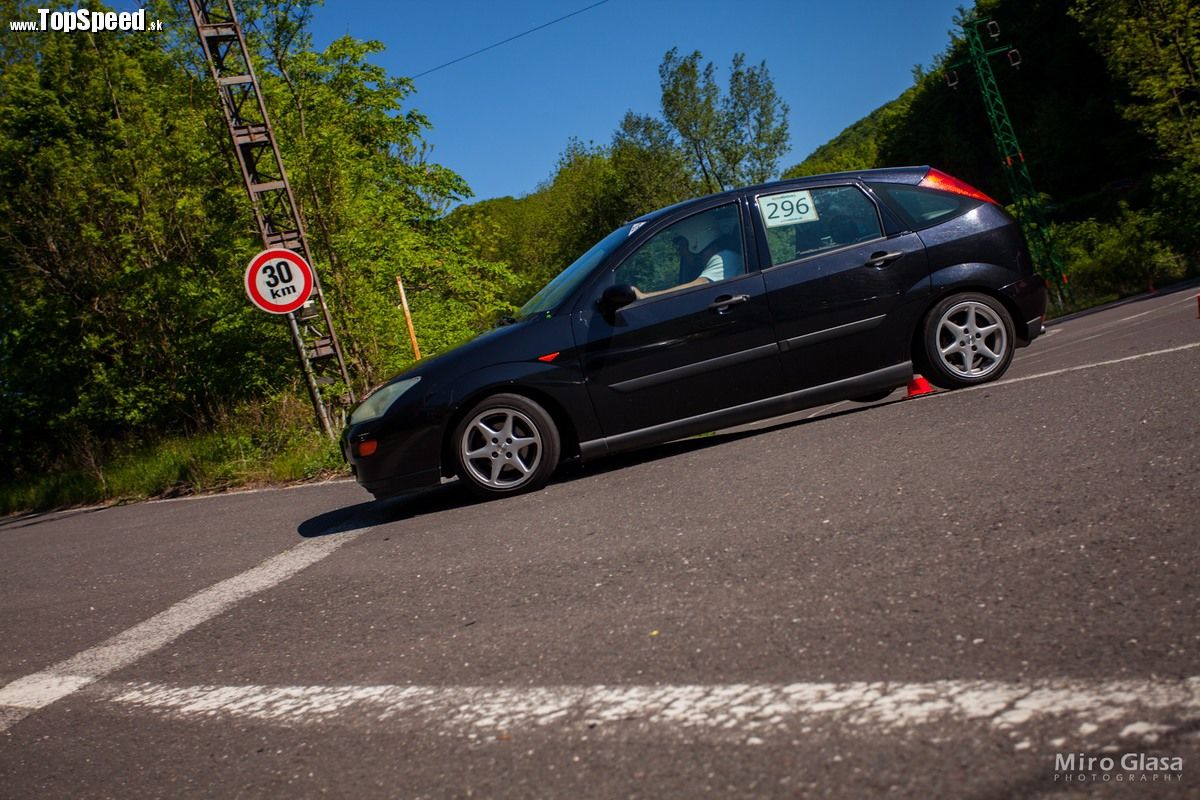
(707, 138)
(1104, 100)
(1106, 104)
(130, 361)
(131, 364)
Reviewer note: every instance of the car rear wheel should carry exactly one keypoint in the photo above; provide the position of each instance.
(506, 444)
(968, 340)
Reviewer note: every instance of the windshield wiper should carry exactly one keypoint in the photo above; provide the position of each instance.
(506, 320)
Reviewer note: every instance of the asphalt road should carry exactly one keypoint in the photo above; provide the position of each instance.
(937, 597)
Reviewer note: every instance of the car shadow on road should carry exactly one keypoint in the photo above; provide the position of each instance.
(393, 509)
(702, 442)
(453, 495)
(40, 517)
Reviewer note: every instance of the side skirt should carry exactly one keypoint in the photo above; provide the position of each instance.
(859, 385)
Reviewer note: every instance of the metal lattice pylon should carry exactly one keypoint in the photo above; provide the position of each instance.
(275, 209)
(1016, 172)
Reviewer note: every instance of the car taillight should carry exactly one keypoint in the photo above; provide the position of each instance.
(936, 179)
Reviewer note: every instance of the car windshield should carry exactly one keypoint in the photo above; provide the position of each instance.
(564, 284)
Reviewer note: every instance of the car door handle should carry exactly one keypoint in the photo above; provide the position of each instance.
(722, 303)
(882, 258)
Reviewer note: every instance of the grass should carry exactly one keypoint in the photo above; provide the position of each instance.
(248, 452)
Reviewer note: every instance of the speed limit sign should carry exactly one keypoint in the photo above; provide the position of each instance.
(279, 281)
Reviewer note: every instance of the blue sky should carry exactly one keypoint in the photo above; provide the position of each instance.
(501, 119)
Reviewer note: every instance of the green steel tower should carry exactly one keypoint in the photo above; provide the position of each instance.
(1016, 172)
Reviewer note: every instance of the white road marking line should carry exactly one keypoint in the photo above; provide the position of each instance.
(736, 709)
(826, 409)
(1103, 329)
(40, 689)
(16, 520)
(1159, 308)
(1077, 368)
(258, 490)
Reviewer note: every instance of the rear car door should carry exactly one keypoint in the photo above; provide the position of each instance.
(688, 350)
(843, 293)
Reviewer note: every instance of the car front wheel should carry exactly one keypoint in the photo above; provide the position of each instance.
(968, 340)
(506, 444)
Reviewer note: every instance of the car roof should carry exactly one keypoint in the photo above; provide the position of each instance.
(911, 175)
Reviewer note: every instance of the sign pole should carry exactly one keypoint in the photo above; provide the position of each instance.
(279, 223)
(310, 380)
(280, 281)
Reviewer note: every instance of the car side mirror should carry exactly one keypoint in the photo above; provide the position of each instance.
(616, 297)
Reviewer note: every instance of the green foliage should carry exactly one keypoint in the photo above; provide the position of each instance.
(373, 203)
(594, 189)
(1117, 259)
(651, 170)
(1154, 47)
(122, 239)
(1062, 102)
(125, 230)
(263, 442)
(733, 139)
(1087, 132)
(704, 142)
(855, 148)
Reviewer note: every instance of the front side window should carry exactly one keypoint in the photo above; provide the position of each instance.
(704, 248)
(801, 223)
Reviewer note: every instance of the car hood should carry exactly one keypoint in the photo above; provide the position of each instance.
(472, 353)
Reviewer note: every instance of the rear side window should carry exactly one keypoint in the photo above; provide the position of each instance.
(923, 208)
(803, 222)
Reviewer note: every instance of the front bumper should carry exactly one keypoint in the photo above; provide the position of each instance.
(406, 454)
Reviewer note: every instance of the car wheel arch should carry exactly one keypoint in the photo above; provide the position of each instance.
(566, 428)
(916, 344)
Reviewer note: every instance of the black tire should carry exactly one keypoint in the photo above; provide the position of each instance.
(505, 445)
(967, 339)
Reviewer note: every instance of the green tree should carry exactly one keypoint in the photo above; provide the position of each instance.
(732, 139)
(125, 229)
(1153, 46)
(651, 169)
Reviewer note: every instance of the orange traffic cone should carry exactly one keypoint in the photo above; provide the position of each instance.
(919, 386)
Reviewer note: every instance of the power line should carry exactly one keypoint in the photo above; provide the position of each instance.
(509, 39)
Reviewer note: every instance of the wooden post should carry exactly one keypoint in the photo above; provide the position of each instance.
(412, 334)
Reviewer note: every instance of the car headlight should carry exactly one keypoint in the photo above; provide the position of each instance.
(378, 402)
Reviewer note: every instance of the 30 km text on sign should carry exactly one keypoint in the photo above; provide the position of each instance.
(279, 281)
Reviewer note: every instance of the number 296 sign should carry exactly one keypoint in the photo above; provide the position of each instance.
(278, 281)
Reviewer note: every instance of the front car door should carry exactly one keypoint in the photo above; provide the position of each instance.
(699, 340)
(843, 289)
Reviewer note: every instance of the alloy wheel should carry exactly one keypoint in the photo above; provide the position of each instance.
(972, 341)
(501, 447)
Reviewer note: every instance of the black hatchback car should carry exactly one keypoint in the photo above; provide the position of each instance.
(711, 313)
